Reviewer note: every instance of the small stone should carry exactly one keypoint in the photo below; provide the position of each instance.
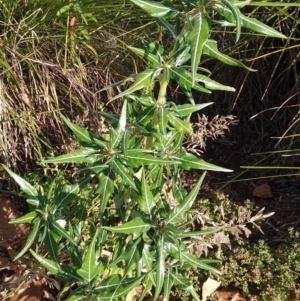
(263, 191)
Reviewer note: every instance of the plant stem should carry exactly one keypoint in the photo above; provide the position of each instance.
(161, 100)
(66, 44)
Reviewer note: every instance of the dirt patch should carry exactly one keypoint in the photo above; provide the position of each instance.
(12, 236)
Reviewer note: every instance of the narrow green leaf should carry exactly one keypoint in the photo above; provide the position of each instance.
(80, 155)
(211, 49)
(52, 266)
(102, 236)
(69, 192)
(29, 190)
(193, 292)
(181, 125)
(151, 58)
(25, 219)
(61, 231)
(177, 213)
(180, 281)
(171, 138)
(181, 253)
(100, 142)
(251, 23)
(137, 159)
(94, 170)
(168, 27)
(148, 259)
(147, 115)
(77, 296)
(119, 246)
(90, 267)
(120, 130)
(109, 284)
(241, 4)
(68, 273)
(160, 267)
(188, 93)
(135, 255)
(179, 193)
(183, 56)
(212, 85)
(125, 143)
(82, 134)
(51, 245)
(208, 260)
(31, 238)
(155, 9)
(173, 229)
(260, 27)
(157, 49)
(112, 118)
(186, 257)
(146, 201)
(146, 100)
(147, 286)
(158, 178)
(197, 36)
(51, 189)
(190, 161)
(184, 284)
(236, 13)
(168, 284)
(142, 80)
(163, 118)
(196, 233)
(126, 252)
(126, 177)
(184, 79)
(117, 288)
(105, 189)
(182, 40)
(187, 109)
(136, 226)
(64, 9)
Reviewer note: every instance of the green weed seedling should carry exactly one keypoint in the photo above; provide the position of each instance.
(139, 235)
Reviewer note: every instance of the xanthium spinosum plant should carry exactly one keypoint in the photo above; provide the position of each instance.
(142, 209)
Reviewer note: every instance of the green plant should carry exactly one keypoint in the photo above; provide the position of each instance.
(141, 230)
(260, 270)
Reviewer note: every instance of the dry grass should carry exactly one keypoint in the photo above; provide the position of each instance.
(47, 69)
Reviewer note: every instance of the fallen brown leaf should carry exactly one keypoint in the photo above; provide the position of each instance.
(230, 296)
(209, 287)
(9, 211)
(29, 292)
(263, 191)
